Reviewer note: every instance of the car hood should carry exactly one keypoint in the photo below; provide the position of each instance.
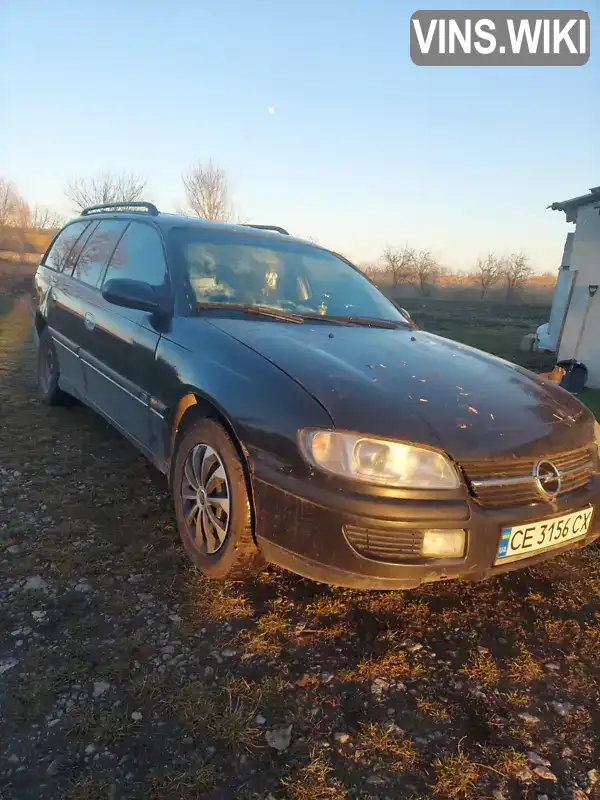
(420, 387)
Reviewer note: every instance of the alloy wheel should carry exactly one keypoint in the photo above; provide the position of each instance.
(206, 498)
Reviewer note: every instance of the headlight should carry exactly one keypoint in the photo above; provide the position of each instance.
(363, 458)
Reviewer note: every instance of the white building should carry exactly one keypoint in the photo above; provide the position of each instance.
(574, 328)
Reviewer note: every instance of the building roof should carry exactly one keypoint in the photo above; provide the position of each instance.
(570, 206)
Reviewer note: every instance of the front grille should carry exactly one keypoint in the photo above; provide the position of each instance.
(499, 484)
(385, 545)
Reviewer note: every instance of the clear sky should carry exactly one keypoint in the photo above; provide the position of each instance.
(364, 148)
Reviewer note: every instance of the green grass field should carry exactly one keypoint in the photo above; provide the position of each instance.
(494, 327)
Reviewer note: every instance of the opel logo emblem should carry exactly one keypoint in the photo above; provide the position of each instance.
(547, 479)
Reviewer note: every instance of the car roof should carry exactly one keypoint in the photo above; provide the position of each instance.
(166, 221)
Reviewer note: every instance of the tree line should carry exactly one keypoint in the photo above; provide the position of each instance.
(399, 266)
(205, 186)
(16, 212)
(207, 194)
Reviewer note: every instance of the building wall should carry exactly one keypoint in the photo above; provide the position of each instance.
(562, 290)
(585, 261)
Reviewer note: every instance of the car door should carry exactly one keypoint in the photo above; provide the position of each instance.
(80, 278)
(119, 358)
(59, 306)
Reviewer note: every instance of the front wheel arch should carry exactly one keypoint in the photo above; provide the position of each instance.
(193, 407)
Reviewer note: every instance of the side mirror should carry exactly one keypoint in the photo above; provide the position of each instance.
(131, 294)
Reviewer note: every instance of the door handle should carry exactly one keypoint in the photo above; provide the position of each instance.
(88, 321)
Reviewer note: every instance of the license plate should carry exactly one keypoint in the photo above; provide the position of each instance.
(522, 541)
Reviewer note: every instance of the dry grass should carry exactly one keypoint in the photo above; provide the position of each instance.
(384, 744)
(107, 727)
(395, 664)
(233, 723)
(268, 637)
(224, 712)
(483, 669)
(314, 781)
(456, 777)
(518, 698)
(328, 605)
(210, 601)
(227, 716)
(590, 640)
(434, 709)
(561, 630)
(509, 761)
(191, 783)
(386, 603)
(524, 668)
(584, 640)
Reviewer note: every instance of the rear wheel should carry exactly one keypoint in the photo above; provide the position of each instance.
(48, 373)
(212, 504)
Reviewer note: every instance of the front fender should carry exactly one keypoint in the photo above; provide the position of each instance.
(262, 405)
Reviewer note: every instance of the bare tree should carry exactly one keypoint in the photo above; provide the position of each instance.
(427, 270)
(399, 263)
(44, 219)
(9, 204)
(372, 270)
(207, 192)
(106, 187)
(516, 271)
(22, 215)
(488, 272)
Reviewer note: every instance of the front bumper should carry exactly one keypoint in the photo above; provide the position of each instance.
(303, 530)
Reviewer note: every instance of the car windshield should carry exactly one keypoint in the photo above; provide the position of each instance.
(227, 267)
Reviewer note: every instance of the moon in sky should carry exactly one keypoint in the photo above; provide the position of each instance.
(271, 110)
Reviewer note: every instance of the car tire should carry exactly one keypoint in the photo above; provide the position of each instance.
(48, 373)
(212, 504)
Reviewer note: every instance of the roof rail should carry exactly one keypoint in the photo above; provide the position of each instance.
(275, 228)
(140, 205)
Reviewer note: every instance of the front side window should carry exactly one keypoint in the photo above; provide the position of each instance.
(139, 256)
(235, 268)
(58, 254)
(98, 250)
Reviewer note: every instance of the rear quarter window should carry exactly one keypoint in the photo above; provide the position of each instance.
(97, 251)
(57, 256)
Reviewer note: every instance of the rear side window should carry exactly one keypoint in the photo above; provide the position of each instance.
(63, 244)
(78, 247)
(98, 250)
(139, 256)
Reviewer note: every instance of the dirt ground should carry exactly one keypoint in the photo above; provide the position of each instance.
(123, 674)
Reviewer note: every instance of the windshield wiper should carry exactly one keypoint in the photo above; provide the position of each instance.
(261, 311)
(288, 316)
(367, 322)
